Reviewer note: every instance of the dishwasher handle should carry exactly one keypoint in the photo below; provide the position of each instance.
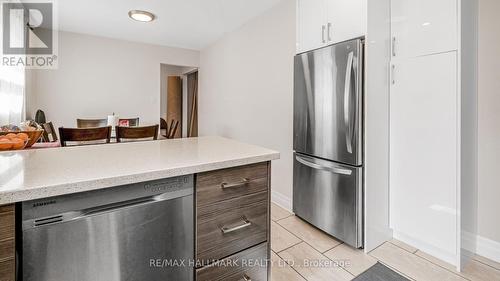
(75, 215)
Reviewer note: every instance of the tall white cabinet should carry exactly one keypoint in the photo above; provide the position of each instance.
(324, 22)
(427, 125)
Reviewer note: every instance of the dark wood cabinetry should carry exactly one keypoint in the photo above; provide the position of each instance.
(7, 243)
(232, 222)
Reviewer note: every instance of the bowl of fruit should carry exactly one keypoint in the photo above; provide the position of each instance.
(13, 141)
(29, 132)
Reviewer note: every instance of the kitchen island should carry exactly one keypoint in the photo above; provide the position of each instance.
(231, 191)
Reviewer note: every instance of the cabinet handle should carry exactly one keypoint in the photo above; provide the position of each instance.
(393, 68)
(394, 46)
(246, 278)
(226, 185)
(329, 32)
(246, 223)
(323, 28)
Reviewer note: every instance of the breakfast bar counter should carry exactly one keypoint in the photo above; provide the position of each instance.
(40, 173)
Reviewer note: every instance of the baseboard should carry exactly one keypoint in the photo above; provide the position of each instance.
(282, 200)
(427, 248)
(488, 248)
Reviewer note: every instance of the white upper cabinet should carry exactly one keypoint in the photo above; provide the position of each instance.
(423, 27)
(325, 22)
(346, 19)
(311, 25)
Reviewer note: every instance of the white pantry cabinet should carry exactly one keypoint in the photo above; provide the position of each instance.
(423, 150)
(325, 22)
(433, 126)
(423, 27)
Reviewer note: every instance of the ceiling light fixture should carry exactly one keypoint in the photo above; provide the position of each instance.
(141, 16)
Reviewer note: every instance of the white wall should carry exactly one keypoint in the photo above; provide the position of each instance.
(98, 76)
(246, 89)
(489, 121)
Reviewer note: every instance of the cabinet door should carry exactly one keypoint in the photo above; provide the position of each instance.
(423, 150)
(423, 27)
(311, 25)
(346, 20)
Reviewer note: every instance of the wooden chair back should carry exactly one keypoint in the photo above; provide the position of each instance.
(163, 124)
(132, 122)
(136, 133)
(49, 133)
(84, 136)
(91, 123)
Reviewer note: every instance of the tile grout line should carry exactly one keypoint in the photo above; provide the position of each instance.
(283, 218)
(292, 266)
(387, 265)
(339, 242)
(396, 270)
(455, 273)
(340, 267)
(287, 230)
(494, 267)
(290, 246)
(404, 248)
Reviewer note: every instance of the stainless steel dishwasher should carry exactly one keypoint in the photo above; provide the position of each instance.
(135, 232)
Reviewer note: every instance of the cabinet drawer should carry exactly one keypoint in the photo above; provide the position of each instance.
(230, 183)
(6, 208)
(230, 226)
(7, 270)
(250, 264)
(7, 249)
(7, 225)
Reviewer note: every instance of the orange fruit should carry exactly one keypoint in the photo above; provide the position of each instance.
(5, 144)
(17, 143)
(23, 136)
(10, 135)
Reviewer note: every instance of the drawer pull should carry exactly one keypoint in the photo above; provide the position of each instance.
(246, 278)
(246, 223)
(226, 185)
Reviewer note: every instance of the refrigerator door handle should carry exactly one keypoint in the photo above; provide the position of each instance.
(316, 166)
(347, 102)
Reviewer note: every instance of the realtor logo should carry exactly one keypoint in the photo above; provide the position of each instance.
(28, 34)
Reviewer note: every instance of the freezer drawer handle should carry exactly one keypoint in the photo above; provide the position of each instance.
(243, 182)
(324, 168)
(246, 223)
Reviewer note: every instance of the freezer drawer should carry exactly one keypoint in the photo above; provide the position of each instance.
(329, 196)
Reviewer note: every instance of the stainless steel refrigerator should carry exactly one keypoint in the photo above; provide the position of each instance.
(328, 140)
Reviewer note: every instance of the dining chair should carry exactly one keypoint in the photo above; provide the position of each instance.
(49, 133)
(172, 130)
(132, 122)
(91, 123)
(136, 133)
(163, 124)
(84, 136)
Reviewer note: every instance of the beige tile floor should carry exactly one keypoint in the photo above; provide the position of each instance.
(301, 252)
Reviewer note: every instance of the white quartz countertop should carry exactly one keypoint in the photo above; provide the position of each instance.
(40, 173)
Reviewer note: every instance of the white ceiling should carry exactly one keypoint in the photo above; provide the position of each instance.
(192, 24)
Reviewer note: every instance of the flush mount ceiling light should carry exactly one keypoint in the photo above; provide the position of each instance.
(141, 16)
